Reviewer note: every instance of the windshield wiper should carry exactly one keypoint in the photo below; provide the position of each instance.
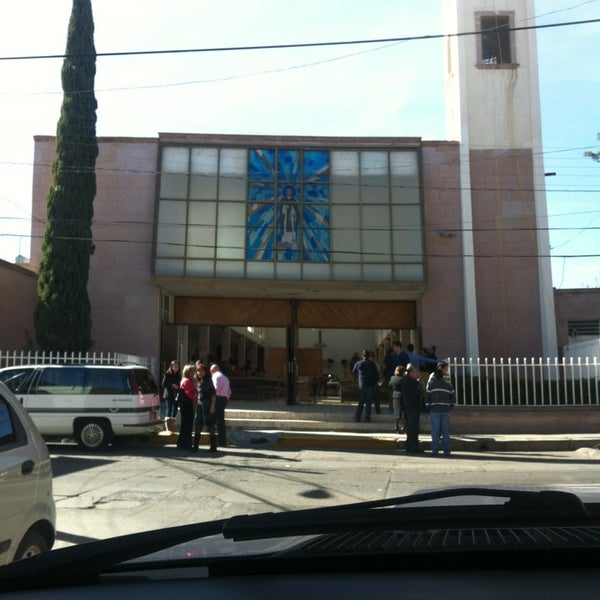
(531, 508)
(86, 562)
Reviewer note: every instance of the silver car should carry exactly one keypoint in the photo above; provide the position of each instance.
(27, 509)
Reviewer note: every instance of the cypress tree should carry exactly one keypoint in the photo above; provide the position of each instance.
(63, 314)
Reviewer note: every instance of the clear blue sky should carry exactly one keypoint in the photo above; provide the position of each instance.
(379, 89)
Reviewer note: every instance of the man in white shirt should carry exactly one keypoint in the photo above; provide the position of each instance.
(223, 390)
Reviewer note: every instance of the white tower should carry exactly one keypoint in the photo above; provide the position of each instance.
(493, 110)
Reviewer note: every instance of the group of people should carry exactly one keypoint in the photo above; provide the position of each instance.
(417, 382)
(200, 393)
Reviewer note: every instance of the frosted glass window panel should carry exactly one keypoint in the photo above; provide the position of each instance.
(287, 270)
(344, 178)
(203, 213)
(408, 272)
(200, 241)
(377, 273)
(374, 177)
(199, 268)
(405, 177)
(169, 268)
(202, 218)
(346, 272)
(260, 270)
(175, 160)
(407, 240)
(230, 268)
(375, 234)
(316, 272)
(204, 168)
(230, 242)
(231, 230)
(345, 238)
(170, 231)
(233, 172)
(174, 173)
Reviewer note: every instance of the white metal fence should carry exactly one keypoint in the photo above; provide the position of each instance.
(526, 381)
(19, 357)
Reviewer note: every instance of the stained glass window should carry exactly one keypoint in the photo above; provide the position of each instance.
(288, 205)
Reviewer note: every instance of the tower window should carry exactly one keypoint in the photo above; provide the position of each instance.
(495, 44)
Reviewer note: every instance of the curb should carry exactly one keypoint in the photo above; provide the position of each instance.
(279, 439)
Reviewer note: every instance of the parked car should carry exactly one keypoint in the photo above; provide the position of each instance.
(27, 509)
(94, 404)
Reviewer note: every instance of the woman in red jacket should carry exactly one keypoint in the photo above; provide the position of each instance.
(186, 400)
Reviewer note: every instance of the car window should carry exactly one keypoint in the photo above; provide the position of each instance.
(11, 431)
(17, 380)
(145, 381)
(106, 381)
(56, 380)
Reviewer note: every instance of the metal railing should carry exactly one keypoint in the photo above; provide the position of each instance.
(13, 358)
(526, 381)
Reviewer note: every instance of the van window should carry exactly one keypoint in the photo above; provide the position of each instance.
(107, 381)
(145, 381)
(56, 380)
(17, 380)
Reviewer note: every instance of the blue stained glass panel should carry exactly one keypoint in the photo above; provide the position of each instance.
(261, 192)
(316, 238)
(288, 205)
(316, 193)
(288, 165)
(261, 165)
(316, 165)
(287, 231)
(289, 193)
(260, 238)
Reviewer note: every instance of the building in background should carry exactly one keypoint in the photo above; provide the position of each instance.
(274, 251)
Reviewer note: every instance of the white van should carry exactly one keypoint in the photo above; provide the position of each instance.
(27, 509)
(92, 403)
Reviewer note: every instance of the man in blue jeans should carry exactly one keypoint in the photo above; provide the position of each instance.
(366, 369)
(440, 398)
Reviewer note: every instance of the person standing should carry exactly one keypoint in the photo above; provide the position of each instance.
(440, 398)
(170, 386)
(206, 408)
(186, 401)
(395, 385)
(366, 369)
(223, 393)
(412, 395)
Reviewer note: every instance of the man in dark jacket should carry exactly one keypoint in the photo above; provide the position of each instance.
(440, 398)
(412, 394)
(367, 384)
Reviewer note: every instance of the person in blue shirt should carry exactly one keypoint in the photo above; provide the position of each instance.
(366, 369)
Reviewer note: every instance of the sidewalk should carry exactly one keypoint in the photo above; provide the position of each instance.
(328, 423)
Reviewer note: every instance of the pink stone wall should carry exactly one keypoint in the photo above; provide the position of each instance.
(125, 303)
(506, 265)
(442, 307)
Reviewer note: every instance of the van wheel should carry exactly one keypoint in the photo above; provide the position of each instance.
(32, 544)
(93, 435)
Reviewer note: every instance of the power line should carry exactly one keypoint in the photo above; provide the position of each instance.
(297, 45)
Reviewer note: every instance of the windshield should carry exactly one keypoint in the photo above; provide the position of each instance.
(343, 272)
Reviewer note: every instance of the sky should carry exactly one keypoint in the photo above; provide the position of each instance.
(380, 89)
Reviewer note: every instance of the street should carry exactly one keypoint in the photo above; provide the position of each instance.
(135, 488)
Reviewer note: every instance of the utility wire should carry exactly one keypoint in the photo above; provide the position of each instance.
(298, 45)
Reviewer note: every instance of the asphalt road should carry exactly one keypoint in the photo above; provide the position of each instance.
(136, 488)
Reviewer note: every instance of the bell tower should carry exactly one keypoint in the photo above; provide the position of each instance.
(493, 110)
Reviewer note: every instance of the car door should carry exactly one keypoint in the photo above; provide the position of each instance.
(18, 477)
